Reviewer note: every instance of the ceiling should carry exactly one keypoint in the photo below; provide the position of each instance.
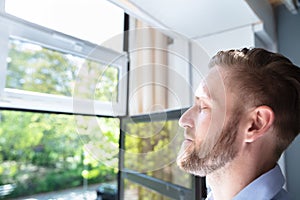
(192, 18)
(197, 19)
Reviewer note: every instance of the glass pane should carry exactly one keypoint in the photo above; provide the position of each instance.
(173, 174)
(134, 191)
(92, 20)
(152, 147)
(40, 153)
(32, 67)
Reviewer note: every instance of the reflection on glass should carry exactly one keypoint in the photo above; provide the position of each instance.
(134, 191)
(152, 147)
(34, 68)
(40, 153)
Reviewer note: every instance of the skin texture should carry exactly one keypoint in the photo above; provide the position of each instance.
(225, 140)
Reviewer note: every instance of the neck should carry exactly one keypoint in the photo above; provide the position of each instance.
(228, 181)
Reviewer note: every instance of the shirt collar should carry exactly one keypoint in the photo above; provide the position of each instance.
(264, 187)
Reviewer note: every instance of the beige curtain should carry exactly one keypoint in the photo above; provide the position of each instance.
(148, 87)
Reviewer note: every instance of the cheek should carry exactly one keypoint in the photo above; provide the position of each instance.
(202, 127)
(208, 131)
(217, 121)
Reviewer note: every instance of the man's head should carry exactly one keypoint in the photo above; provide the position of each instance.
(247, 93)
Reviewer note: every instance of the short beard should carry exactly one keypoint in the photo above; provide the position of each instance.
(224, 151)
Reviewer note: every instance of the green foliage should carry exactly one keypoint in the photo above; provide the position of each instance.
(43, 70)
(107, 84)
(46, 152)
(155, 142)
(39, 69)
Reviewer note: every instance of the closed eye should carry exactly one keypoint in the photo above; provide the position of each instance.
(201, 108)
(202, 104)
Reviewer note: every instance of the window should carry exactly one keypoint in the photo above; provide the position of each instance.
(152, 147)
(50, 152)
(34, 68)
(51, 68)
(149, 150)
(46, 70)
(57, 78)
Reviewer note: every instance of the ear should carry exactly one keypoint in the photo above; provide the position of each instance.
(260, 121)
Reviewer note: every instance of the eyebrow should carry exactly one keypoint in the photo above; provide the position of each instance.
(206, 93)
(206, 98)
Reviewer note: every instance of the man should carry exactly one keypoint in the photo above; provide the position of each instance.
(246, 113)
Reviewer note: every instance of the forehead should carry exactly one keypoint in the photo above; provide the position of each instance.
(212, 86)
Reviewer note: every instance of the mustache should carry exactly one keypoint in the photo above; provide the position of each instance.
(188, 135)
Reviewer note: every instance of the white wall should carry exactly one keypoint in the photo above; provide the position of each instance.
(232, 39)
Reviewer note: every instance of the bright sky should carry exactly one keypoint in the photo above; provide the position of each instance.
(92, 20)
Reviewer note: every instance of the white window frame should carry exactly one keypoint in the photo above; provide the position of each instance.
(20, 99)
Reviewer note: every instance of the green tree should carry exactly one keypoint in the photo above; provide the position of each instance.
(42, 152)
(38, 69)
(19, 132)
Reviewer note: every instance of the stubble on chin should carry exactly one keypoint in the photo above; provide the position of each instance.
(190, 161)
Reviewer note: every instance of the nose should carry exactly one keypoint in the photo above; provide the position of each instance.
(186, 120)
